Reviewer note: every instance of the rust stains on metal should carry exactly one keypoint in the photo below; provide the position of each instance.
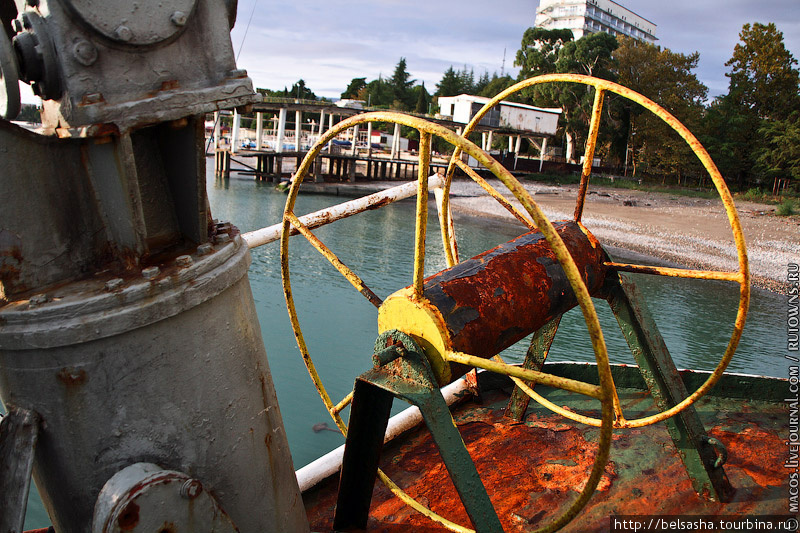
(129, 517)
(379, 203)
(10, 263)
(495, 299)
(534, 470)
(72, 377)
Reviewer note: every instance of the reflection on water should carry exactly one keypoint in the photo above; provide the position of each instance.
(695, 317)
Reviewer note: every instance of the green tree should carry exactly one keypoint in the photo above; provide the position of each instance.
(728, 133)
(423, 99)
(497, 85)
(450, 84)
(747, 131)
(401, 86)
(467, 79)
(667, 78)
(779, 156)
(378, 93)
(482, 82)
(301, 92)
(356, 85)
(591, 55)
(762, 75)
(539, 49)
(30, 113)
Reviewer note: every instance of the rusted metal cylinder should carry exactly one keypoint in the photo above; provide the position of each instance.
(484, 305)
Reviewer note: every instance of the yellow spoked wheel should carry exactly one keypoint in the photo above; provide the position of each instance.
(293, 224)
(740, 276)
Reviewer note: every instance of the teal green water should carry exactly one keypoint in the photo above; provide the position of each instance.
(695, 317)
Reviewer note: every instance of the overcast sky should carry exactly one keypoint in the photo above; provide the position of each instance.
(329, 43)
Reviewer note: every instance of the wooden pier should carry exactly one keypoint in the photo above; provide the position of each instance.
(327, 166)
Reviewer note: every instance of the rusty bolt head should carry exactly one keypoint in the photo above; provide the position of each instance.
(123, 33)
(85, 52)
(38, 299)
(204, 249)
(237, 73)
(178, 18)
(114, 284)
(150, 273)
(222, 238)
(190, 489)
(184, 261)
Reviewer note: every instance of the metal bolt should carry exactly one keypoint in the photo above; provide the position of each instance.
(190, 489)
(85, 53)
(114, 284)
(150, 273)
(39, 299)
(92, 98)
(178, 18)
(237, 73)
(123, 33)
(204, 249)
(184, 261)
(222, 238)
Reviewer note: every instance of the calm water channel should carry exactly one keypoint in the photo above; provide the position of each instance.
(695, 317)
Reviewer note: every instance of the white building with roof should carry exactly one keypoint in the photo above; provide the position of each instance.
(534, 120)
(592, 16)
(518, 121)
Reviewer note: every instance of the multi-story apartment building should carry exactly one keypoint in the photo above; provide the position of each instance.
(592, 16)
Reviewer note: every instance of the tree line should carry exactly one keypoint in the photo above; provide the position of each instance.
(752, 132)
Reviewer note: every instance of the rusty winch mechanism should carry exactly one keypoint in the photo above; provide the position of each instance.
(438, 328)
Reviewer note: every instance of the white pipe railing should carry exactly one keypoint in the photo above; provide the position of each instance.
(319, 218)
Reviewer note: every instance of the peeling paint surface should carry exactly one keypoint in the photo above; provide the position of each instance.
(535, 469)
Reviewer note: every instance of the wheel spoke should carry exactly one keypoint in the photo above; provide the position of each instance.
(339, 407)
(591, 143)
(572, 385)
(676, 272)
(446, 226)
(319, 218)
(422, 211)
(494, 194)
(331, 257)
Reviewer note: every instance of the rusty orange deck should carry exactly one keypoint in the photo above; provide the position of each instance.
(534, 470)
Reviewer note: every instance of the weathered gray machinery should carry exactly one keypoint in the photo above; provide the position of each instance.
(131, 361)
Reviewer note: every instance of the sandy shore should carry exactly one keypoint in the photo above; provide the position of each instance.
(690, 232)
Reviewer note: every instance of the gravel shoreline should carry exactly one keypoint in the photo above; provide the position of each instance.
(662, 228)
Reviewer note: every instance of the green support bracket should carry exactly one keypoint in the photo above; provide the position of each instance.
(406, 375)
(698, 452)
(534, 360)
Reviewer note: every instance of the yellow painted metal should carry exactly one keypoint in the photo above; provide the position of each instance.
(742, 276)
(422, 211)
(339, 407)
(446, 220)
(351, 276)
(539, 219)
(494, 194)
(588, 158)
(677, 272)
(406, 312)
(550, 380)
(414, 504)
